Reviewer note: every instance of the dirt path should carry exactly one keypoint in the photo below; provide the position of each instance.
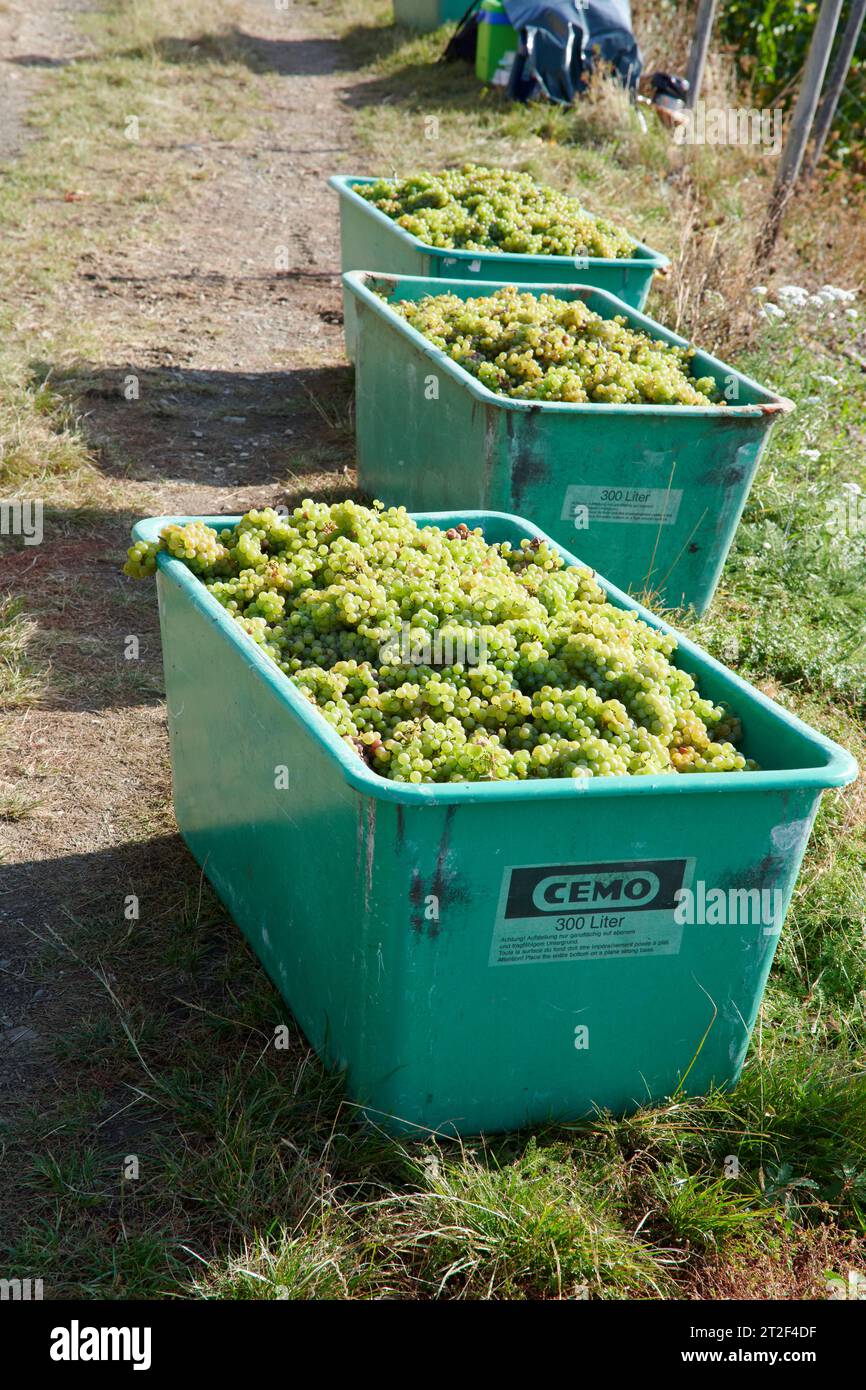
(227, 315)
(35, 35)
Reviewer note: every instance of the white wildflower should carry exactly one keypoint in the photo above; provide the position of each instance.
(831, 292)
(794, 296)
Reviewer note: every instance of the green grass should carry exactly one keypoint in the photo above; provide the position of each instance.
(19, 681)
(255, 1179)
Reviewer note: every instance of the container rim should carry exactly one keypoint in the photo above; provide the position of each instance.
(344, 184)
(772, 404)
(838, 769)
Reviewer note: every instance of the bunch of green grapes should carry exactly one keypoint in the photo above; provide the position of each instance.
(548, 349)
(478, 209)
(439, 657)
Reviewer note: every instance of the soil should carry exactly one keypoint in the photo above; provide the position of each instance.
(228, 316)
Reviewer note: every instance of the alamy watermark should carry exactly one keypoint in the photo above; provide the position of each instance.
(77, 1343)
(729, 907)
(21, 1290)
(849, 511)
(414, 646)
(22, 518)
(731, 125)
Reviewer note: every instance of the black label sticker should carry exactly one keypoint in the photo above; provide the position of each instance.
(555, 912)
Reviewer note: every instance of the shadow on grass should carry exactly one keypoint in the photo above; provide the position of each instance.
(305, 57)
(289, 57)
(42, 60)
(161, 1032)
(427, 87)
(216, 428)
(82, 611)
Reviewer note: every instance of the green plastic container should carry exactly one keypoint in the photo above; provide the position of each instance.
(400, 923)
(428, 14)
(649, 495)
(496, 38)
(369, 240)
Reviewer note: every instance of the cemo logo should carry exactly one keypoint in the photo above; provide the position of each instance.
(537, 893)
(635, 889)
(77, 1343)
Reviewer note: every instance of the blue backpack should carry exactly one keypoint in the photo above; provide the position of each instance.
(560, 41)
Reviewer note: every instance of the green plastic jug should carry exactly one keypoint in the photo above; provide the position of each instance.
(496, 38)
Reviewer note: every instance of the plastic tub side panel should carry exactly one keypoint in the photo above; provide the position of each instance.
(276, 828)
(629, 281)
(376, 921)
(653, 507)
(494, 1046)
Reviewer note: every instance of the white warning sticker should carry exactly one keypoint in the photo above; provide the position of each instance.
(564, 912)
(587, 505)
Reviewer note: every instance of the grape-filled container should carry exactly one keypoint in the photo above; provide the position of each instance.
(370, 240)
(650, 495)
(481, 956)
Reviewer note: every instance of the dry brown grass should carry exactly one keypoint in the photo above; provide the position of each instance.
(811, 1264)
